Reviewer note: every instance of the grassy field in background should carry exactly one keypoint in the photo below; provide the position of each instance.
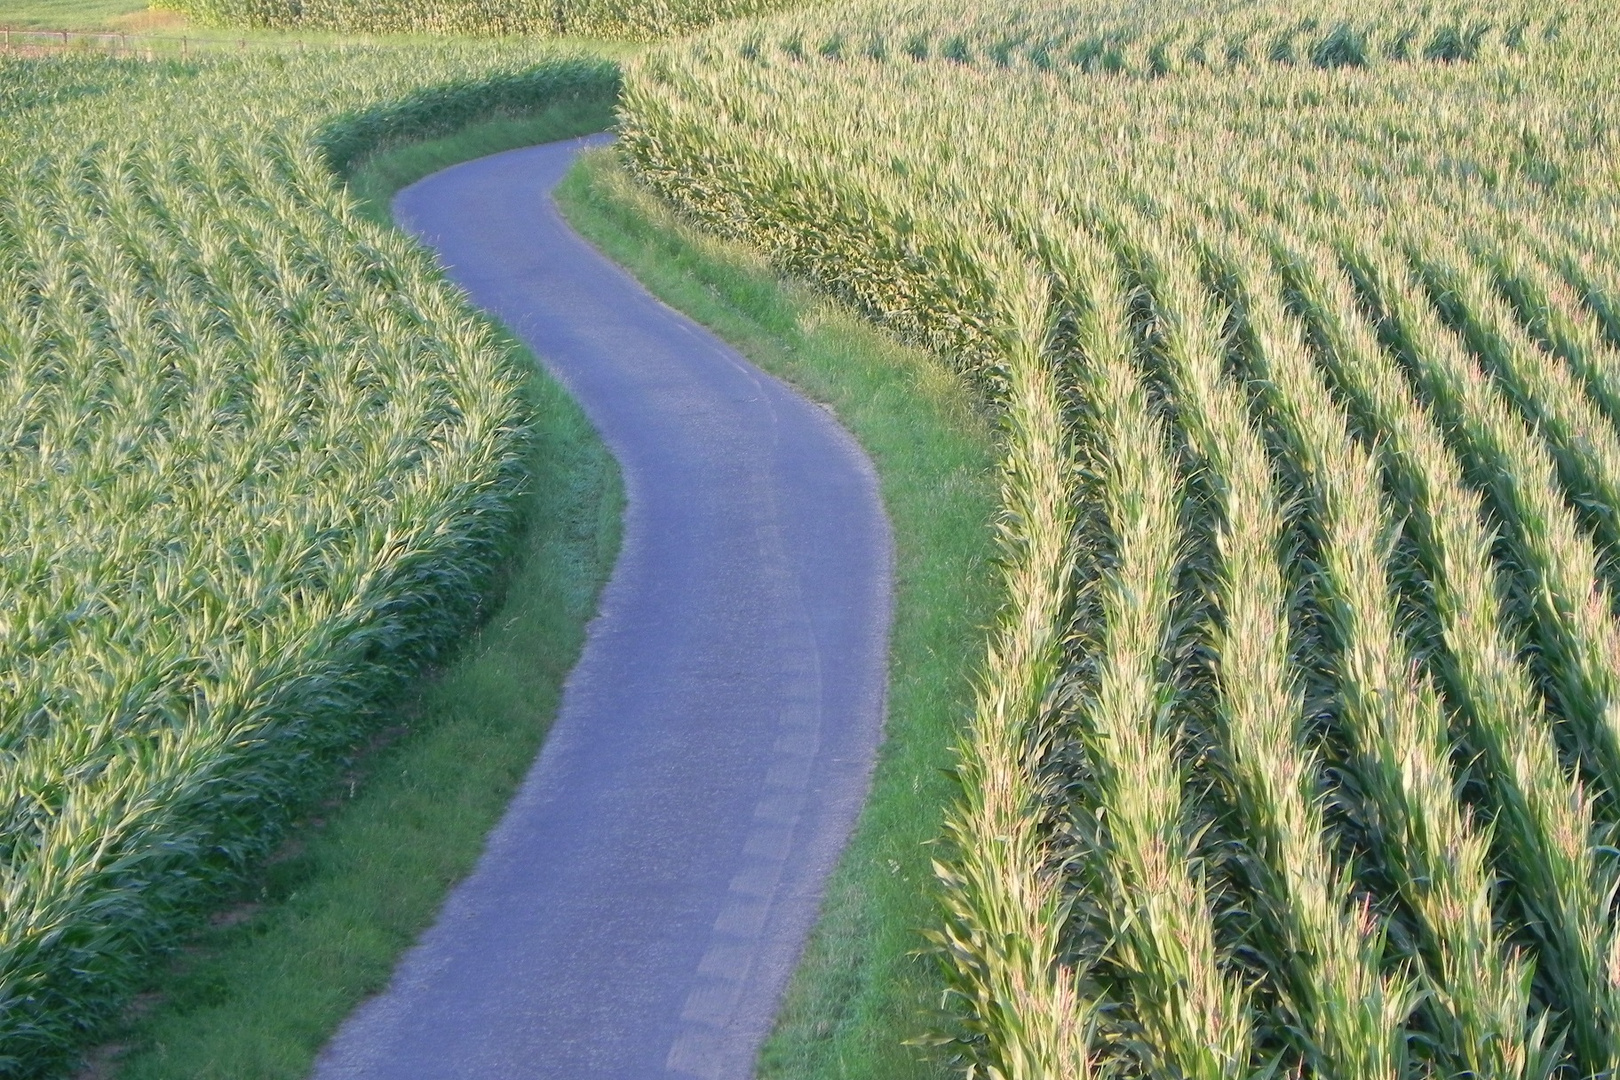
(864, 986)
(127, 15)
(135, 18)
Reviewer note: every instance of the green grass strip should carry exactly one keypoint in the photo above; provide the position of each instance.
(864, 988)
(376, 180)
(69, 14)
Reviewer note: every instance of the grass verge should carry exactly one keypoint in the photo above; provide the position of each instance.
(256, 994)
(863, 988)
(72, 14)
(374, 183)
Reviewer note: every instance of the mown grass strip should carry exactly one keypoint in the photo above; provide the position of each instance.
(862, 990)
(71, 14)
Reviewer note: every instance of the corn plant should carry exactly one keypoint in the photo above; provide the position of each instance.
(257, 460)
(1401, 748)
(1006, 905)
(1350, 1018)
(1401, 223)
(1195, 1016)
(1543, 821)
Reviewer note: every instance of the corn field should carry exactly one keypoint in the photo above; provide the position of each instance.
(632, 20)
(1297, 745)
(257, 459)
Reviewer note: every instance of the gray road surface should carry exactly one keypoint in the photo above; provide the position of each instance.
(639, 909)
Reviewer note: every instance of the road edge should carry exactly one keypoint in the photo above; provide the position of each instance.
(863, 994)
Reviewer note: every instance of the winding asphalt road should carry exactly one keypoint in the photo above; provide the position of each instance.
(639, 909)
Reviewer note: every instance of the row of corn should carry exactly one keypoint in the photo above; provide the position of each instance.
(634, 20)
(256, 460)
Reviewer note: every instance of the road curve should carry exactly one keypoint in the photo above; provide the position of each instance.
(637, 912)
